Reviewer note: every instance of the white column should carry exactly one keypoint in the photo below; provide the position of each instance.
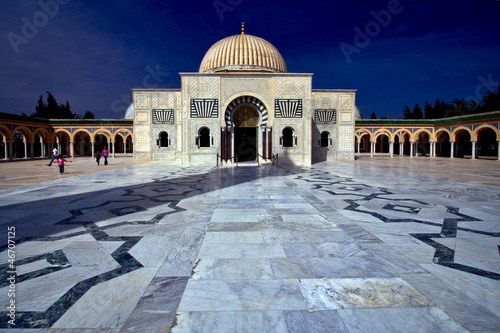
(359, 146)
(411, 148)
(391, 148)
(401, 148)
(113, 144)
(124, 147)
(25, 149)
(93, 148)
(372, 148)
(232, 142)
(452, 148)
(6, 148)
(473, 149)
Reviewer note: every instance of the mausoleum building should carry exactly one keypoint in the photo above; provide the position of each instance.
(244, 104)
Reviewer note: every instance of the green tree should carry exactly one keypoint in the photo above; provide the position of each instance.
(41, 109)
(88, 115)
(491, 101)
(429, 112)
(374, 116)
(407, 114)
(417, 112)
(52, 110)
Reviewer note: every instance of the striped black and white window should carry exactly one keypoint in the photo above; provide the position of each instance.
(323, 116)
(204, 108)
(288, 108)
(163, 116)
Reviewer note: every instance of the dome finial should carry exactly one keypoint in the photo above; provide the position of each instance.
(242, 28)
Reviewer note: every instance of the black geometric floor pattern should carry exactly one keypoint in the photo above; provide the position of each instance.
(444, 256)
(161, 190)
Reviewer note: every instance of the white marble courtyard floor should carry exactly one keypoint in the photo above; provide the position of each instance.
(375, 245)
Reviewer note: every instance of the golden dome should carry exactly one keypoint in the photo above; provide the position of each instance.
(243, 53)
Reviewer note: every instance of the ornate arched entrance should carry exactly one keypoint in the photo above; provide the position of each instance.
(246, 134)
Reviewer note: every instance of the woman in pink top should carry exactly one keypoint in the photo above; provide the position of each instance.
(105, 153)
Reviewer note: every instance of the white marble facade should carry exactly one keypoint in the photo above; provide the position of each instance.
(281, 100)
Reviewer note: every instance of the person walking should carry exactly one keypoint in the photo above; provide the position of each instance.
(54, 156)
(98, 157)
(61, 161)
(105, 153)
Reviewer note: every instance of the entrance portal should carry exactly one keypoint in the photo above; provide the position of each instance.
(246, 120)
(245, 143)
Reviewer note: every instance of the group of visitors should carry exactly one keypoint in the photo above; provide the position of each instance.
(60, 159)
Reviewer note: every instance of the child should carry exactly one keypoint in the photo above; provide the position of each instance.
(61, 161)
(98, 157)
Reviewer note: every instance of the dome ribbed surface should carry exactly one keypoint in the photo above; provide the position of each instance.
(243, 53)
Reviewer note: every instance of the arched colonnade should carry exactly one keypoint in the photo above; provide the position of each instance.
(26, 137)
(458, 138)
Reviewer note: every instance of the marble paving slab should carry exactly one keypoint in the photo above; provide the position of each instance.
(231, 295)
(327, 294)
(230, 321)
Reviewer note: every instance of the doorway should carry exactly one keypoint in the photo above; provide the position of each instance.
(245, 143)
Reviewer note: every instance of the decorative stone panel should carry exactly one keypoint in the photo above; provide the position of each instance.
(163, 116)
(141, 101)
(204, 108)
(142, 116)
(299, 86)
(334, 101)
(214, 87)
(142, 139)
(346, 117)
(278, 87)
(346, 102)
(288, 108)
(154, 100)
(325, 116)
(193, 87)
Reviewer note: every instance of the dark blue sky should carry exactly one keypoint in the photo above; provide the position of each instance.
(92, 53)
